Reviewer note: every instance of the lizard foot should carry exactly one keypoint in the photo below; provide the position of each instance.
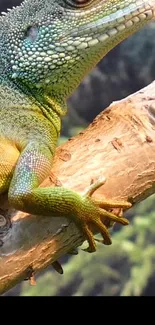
(94, 212)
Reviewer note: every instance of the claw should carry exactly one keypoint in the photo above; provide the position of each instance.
(89, 250)
(57, 266)
(88, 234)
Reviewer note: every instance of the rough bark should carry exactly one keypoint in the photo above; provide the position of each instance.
(119, 144)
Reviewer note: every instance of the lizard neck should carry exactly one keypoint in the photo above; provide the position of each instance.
(13, 95)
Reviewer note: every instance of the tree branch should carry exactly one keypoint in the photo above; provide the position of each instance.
(119, 144)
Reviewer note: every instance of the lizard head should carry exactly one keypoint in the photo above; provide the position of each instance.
(50, 45)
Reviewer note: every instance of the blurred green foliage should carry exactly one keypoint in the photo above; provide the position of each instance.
(122, 269)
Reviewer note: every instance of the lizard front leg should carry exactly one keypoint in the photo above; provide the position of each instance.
(25, 194)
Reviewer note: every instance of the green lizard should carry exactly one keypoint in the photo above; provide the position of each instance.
(46, 49)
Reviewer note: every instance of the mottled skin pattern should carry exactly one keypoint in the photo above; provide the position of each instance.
(46, 49)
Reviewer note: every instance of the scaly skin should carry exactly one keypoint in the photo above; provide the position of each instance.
(46, 49)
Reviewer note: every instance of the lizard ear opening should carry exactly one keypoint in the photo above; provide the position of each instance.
(31, 33)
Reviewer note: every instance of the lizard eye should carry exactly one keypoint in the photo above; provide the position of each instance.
(31, 33)
(79, 3)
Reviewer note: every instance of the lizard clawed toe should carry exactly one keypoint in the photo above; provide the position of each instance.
(57, 266)
(98, 214)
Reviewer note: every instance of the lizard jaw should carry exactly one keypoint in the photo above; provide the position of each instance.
(121, 20)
